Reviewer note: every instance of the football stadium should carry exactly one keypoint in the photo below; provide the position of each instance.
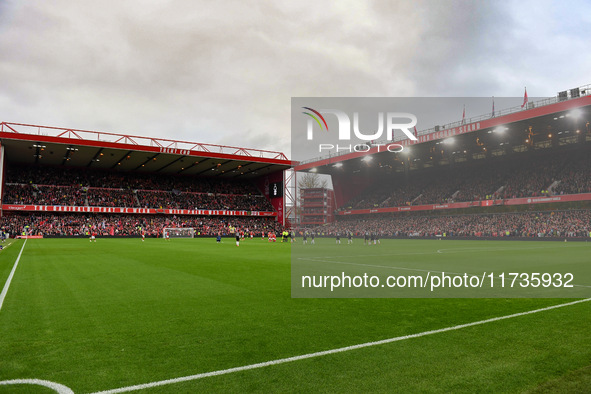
(210, 247)
(122, 273)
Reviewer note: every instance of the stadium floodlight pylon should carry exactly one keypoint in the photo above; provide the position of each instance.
(179, 232)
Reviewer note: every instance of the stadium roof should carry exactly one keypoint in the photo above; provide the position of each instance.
(553, 122)
(55, 146)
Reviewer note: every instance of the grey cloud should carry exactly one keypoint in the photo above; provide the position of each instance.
(224, 72)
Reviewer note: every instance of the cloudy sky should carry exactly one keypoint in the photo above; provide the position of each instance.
(224, 72)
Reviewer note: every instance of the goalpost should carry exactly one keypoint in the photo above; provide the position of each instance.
(180, 232)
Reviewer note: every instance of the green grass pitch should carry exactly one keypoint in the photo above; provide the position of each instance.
(121, 312)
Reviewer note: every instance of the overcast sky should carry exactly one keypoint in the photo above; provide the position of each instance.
(224, 72)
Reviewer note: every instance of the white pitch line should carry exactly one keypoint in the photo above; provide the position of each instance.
(7, 284)
(59, 388)
(327, 352)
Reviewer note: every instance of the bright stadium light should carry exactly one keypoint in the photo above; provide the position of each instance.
(367, 159)
(313, 169)
(338, 165)
(449, 141)
(575, 113)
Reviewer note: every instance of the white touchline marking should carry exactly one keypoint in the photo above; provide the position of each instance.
(60, 388)
(7, 284)
(327, 352)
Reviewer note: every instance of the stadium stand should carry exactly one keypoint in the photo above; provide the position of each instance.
(94, 188)
(527, 175)
(68, 182)
(80, 187)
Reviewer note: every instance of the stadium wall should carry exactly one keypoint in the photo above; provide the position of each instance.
(123, 210)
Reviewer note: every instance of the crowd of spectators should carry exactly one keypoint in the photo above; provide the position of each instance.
(131, 225)
(78, 187)
(84, 177)
(573, 223)
(188, 200)
(43, 195)
(111, 198)
(521, 175)
(576, 178)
